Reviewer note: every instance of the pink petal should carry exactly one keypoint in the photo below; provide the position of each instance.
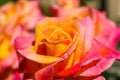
(46, 73)
(112, 53)
(10, 61)
(105, 62)
(10, 74)
(93, 55)
(23, 42)
(100, 67)
(27, 14)
(107, 35)
(94, 63)
(17, 76)
(99, 78)
(87, 31)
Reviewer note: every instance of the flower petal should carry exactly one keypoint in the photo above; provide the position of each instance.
(107, 59)
(46, 73)
(103, 33)
(23, 42)
(109, 52)
(93, 55)
(41, 74)
(86, 31)
(96, 61)
(98, 67)
(30, 54)
(40, 28)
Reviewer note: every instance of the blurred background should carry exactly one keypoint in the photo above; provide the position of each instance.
(112, 9)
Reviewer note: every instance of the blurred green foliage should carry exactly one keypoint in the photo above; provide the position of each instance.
(84, 2)
(5, 1)
(45, 4)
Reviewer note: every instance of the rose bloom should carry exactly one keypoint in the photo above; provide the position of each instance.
(23, 12)
(64, 50)
(8, 57)
(106, 31)
(16, 19)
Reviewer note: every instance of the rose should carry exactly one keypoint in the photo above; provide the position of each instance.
(25, 13)
(63, 49)
(106, 31)
(108, 35)
(15, 19)
(8, 58)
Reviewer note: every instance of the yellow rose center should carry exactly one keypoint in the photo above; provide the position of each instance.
(55, 41)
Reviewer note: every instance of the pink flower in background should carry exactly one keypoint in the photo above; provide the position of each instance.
(8, 57)
(106, 31)
(16, 19)
(65, 50)
(24, 13)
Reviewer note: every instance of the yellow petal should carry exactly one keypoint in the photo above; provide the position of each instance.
(70, 62)
(4, 52)
(40, 28)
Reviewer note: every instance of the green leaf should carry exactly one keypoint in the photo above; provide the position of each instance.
(2, 2)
